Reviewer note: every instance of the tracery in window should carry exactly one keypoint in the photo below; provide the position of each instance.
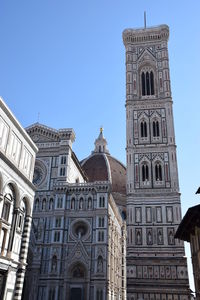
(147, 80)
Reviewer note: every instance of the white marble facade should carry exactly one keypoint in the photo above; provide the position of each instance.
(17, 159)
(156, 266)
(80, 236)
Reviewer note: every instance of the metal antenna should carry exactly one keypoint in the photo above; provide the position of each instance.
(38, 118)
(145, 20)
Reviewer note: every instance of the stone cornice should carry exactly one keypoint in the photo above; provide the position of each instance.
(54, 134)
(146, 35)
(98, 186)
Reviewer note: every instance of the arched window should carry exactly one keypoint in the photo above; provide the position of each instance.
(143, 85)
(143, 129)
(81, 203)
(147, 83)
(43, 204)
(100, 264)
(145, 172)
(147, 80)
(73, 203)
(36, 204)
(8, 202)
(156, 129)
(152, 82)
(158, 172)
(51, 203)
(54, 264)
(89, 203)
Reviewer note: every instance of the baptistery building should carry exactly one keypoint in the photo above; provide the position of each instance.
(17, 159)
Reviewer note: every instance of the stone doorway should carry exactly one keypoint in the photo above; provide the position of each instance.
(76, 293)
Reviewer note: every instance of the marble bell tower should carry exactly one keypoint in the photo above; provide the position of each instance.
(156, 266)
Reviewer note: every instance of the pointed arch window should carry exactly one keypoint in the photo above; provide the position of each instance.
(89, 203)
(73, 203)
(147, 79)
(44, 204)
(158, 172)
(51, 204)
(81, 203)
(100, 264)
(152, 82)
(145, 172)
(143, 129)
(156, 129)
(54, 264)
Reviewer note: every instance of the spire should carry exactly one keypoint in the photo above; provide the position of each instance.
(101, 143)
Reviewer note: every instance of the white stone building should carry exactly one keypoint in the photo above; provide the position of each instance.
(156, 266)
(17, 159)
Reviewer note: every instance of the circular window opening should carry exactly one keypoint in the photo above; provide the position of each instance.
(80, 229)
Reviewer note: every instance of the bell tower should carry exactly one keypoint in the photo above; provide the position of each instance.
(156, 267)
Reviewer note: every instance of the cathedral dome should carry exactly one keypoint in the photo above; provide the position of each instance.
(101, 166)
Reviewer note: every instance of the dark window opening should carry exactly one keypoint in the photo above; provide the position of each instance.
(145, 172)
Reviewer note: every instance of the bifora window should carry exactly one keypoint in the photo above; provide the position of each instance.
(156, 129)
(147, 79)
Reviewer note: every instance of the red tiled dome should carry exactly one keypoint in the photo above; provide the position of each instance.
(101, 166)
(104, 167)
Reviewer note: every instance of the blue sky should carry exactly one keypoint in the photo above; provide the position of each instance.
(65, 60)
